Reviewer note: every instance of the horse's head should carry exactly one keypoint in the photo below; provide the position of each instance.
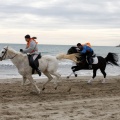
(80, 57)
(3, 53)
(7, 53)
(72, 50)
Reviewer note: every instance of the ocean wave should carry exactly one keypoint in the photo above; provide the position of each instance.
(7, 69)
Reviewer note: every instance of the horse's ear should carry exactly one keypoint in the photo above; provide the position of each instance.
(7, 46)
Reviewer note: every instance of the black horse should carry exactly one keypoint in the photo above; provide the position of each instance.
(111, 58)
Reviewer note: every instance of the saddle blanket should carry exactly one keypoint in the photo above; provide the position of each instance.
(95, 60)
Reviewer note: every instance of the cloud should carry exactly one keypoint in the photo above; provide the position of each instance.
(60, 21)
(60, 14)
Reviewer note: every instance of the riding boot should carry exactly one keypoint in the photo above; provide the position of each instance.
(90, 66)
(90, 63)
(39, 72)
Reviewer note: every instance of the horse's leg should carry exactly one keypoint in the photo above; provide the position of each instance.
(94, 75)
(104, 74)
(57, 75)
(49, 79)
(30, 78)
(74, 68)
(70, 74)
(24, 80)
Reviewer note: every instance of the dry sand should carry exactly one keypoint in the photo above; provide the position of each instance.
(85, 102)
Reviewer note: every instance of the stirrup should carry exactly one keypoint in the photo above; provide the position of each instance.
(94, 55)
(90, 66)
(39, 72)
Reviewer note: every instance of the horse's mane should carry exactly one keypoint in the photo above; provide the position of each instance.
(73, 47)
(72, 50)
(14, 51)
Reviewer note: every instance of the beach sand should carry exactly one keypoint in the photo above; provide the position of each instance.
(94, 101)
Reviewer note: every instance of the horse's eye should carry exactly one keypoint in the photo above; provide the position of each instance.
(2, 51)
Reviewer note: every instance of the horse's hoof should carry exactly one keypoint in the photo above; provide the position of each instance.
(55, 88)
(35, 93)
(43, 89)
(88, 82)
(75, 75)
(68, 77)
(103, 82)
(69, 90)
(39, 92)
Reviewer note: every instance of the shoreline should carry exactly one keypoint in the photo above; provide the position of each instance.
(43, 79)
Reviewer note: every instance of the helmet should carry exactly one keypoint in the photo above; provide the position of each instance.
(27, 36)
(79, 44)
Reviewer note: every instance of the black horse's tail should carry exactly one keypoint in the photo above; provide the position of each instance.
(112, 58)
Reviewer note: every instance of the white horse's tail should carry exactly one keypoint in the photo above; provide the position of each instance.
(72, 57)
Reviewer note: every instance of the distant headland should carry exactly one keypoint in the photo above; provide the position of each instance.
(118, 45)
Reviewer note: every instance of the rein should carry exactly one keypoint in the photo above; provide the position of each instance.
(4, 55)
(13, 56)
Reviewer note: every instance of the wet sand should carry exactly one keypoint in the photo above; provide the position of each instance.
(94, 101)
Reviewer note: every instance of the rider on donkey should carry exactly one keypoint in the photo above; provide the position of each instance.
(32, 49)
(88, 51)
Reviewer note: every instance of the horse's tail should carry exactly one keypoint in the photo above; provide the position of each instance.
(112, 58)
(72, 57)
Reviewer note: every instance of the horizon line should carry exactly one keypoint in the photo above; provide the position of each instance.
(58, 44)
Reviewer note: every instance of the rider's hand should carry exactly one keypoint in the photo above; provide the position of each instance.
(78, 50)
(21, 50)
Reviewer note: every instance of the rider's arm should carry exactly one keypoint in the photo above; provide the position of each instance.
(30, 48)
(84, 50)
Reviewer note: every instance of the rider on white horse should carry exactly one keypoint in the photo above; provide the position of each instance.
(32, 49)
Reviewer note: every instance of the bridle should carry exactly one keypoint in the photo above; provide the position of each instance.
(5, 53)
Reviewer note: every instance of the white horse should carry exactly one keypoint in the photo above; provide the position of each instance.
(48, 64)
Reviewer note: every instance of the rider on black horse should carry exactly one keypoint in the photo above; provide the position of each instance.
(88, 51)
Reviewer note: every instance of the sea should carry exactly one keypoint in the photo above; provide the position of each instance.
(8, 70)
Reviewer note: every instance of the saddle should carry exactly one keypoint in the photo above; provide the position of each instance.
(34, 63)
(94, 55)
(84, 58)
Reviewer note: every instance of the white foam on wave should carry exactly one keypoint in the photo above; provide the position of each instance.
(6, 62)
(8, 70)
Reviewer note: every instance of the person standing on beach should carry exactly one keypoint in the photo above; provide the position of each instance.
(85, 49)
(32, 49)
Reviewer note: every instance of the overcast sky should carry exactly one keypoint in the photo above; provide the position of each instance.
(61, 21)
